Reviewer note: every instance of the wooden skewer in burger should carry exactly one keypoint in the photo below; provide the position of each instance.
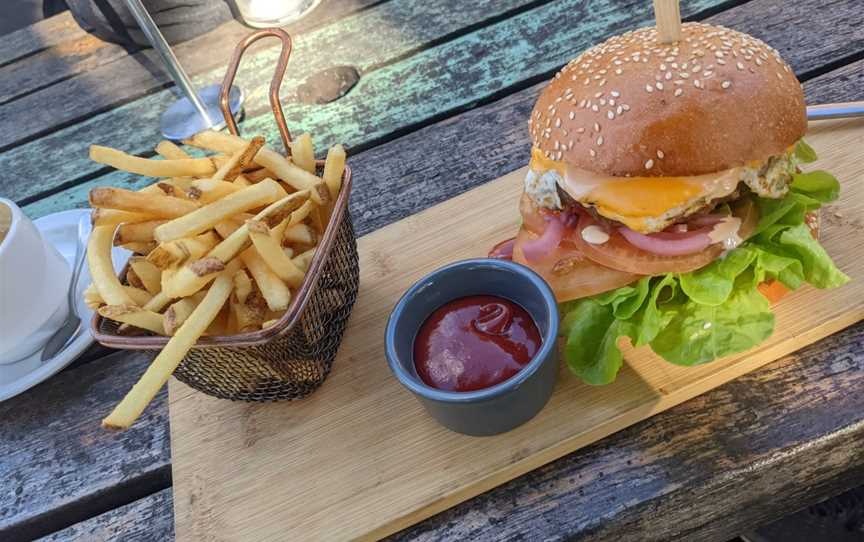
(664, 199)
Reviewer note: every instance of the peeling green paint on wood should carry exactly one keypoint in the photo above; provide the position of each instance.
(420, 88)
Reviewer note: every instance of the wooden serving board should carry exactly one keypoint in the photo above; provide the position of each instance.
(360, 458)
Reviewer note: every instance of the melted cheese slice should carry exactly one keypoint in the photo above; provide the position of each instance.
(634, 201)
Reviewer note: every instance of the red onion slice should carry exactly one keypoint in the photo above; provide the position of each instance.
(536, 249)
(503, 250)
(668, 243)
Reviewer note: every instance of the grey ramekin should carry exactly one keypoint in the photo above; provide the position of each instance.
(501, 407)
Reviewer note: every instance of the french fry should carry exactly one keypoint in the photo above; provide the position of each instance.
(134, 403)
(242, 285)
(149, 274)
(186, 167)
(189, 280)
(271, 252)
(135, 316)
(133, 279)
(240, 160)
(209, 190)
(180, 251)
(249, 313)
(334, 167)
(180, 311)
(304, 260)
(158, 302)
(206, 217)
(303, 152)
(275, 292)
(137, 202)
(170, 151)
(242, 181)
(101, 268)
(170, 189)
(93, 300)
(266, 157)
(270, 323)
(112, 217)
(139, 247)
(300, 234)
(259, 175)
(136, 232)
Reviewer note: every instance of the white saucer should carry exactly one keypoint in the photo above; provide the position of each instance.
(61, 230)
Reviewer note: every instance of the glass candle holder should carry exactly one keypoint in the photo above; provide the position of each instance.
(269, 13)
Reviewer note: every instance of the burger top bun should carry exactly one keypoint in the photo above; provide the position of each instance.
(632, 106)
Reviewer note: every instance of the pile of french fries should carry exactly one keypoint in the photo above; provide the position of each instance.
(220, 242)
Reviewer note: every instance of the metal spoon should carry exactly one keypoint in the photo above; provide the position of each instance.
(61, 338)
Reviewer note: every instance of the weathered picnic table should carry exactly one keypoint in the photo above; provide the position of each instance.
(441, 105)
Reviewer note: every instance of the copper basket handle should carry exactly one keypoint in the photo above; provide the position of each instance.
(275, 83)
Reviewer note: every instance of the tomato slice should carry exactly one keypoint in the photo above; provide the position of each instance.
(569, 273)
(618, 253)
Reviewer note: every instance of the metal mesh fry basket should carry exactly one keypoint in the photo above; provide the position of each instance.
(294, 364)
(292, 358)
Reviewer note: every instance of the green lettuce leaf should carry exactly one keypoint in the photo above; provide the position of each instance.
(804, 152)
(696, 317)
(698, 333)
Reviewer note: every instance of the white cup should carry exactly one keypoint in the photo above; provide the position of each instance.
(34, 279)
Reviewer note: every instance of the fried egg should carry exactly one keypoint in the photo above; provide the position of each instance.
(650, 204)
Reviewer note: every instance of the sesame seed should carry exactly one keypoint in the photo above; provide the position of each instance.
(668, 75)
(611, 102)
(649, 164)
(580, 130)
(618, 71)
(659, 85)
(615, 93)
(739, 66)
(592, 152)
(556, 145)
(679, 92)
(663, 67)
(569, 144)
(603, 82)
(595, 108)
(707, 74)
(572, 115)
(649, 88)
(779, 76)
(600, 140)
(619, 110)
(758, 61)
(610, 115)
(684, 75)
(558, 122)
(602, 101)
(721, 62)
(598, 94)
(596, 127)
(696, 83)
(726, 84)
(626, 107)
(660, 154)
(582, 103)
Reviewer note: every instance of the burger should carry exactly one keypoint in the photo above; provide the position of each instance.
(664, 200)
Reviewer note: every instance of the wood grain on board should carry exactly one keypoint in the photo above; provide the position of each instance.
(360, 458)
(432, 82)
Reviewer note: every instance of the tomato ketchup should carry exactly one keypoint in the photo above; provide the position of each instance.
(474, 342)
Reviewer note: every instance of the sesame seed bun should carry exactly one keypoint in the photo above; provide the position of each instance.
(634, 107)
